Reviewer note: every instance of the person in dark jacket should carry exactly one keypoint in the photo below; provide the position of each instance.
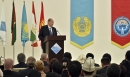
(30, 63)
(8, 65)
(105, 63)
(65, 62)
(21, 59)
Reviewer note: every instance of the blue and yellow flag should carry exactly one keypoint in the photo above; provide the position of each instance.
(82, 23)
(24, 28)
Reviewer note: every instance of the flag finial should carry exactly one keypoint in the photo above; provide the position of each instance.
(23, 1)
(3, 0)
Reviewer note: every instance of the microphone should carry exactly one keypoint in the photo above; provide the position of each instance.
(58, 32)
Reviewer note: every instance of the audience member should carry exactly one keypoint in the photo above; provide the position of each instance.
(68, 55)
(30, 65)
(21, 59)
(113, 71)
(52, 74)
(107, 55)
(74, 69)
(123, 71)
(105, 64)
(1, 73)
(39, 65)
(34, 73)
(8, 66)
(126, 63)
(44, 58)
(81, 59)
(65, 62)
(51, 62)
(57, 67)
(88, 67)
(91, 55)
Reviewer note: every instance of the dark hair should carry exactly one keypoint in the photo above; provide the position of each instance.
(68, 55)
(21, 57)
(90, 55)
(57, 67)
(74, 69)
(31, 61)
(88, 73)
(34, 73)
(113, 71)
(123, 71)
(51, 62)
(52, 74)
(127, 55)
(105, 60)
(65, 62)
(107, 55)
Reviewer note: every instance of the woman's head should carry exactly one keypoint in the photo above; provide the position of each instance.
(51, 62)
(39, 65)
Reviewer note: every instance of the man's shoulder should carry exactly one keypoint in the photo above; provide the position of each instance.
(45, 26)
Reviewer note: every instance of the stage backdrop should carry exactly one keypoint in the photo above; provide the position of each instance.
(59, 10)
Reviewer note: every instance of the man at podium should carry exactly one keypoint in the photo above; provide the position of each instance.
(47, 30)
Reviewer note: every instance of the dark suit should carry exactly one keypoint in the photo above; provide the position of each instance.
(44, 31)
(9, 73)
(102, 70)
(25, 71)
(20, 65)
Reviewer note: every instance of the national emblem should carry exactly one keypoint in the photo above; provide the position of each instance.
(82, 26)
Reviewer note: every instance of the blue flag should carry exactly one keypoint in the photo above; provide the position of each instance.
(82, 23)
(24, 28)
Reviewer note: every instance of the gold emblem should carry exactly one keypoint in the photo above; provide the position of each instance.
(82, 26)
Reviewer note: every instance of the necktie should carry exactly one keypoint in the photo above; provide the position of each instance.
(50, 31)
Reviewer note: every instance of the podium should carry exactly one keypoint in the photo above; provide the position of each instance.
(54, 43)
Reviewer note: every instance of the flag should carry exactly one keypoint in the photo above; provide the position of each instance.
(24, 28)
(33, 35)
(42, 21)
(120, 26)
(3, 26)
(82, 23)
(13, 25)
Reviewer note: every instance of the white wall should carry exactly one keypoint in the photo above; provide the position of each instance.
(59, 10)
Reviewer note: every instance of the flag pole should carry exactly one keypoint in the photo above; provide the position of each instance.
(14, 52)
(4, 51)
(33, 51)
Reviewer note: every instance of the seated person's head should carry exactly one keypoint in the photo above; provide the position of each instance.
(127, 55)
(51, 62)
(44, 57)
(34, 73)
(107, 55)
(65, 62)
(113, 71)
(52, 74)
(90, 55)
(39, 65)
(21, 58)
(105, 61)
(8, 64)
(31, 61)
(88, 66)
(81, 58)
(74, 69)
(57, 67)
(68, 55)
